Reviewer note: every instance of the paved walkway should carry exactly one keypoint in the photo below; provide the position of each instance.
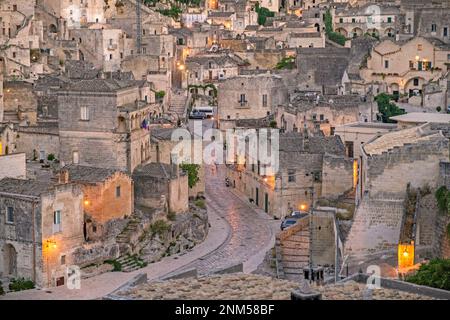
(239, 233)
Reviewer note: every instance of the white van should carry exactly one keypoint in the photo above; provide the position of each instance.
(209, 111)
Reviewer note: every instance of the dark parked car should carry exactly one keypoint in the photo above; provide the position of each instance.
(197, 115)
(288, 223)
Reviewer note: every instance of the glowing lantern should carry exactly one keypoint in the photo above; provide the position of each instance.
(406, 255)
(303, 207)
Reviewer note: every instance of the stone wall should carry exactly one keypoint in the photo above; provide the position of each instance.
(376, 226)
(13, 166)
(337, 175)
(323, 240)
(33, 140)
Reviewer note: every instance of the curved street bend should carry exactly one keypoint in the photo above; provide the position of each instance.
(239, 233)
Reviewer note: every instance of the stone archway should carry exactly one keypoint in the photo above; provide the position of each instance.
(10, 260)
(374, 33)
(357, 32)
(342, 31)
(389, 32)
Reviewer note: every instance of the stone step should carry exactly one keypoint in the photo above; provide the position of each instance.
(303, 258)
(295, 245)
(295, 264)
(294, 252)
(289, 271)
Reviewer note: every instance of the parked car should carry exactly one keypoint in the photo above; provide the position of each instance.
(298, 214)
(288, 223)
(197, 115)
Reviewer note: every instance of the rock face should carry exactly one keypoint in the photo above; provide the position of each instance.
(165, 239)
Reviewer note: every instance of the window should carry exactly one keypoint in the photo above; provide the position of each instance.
(242, 100)
(63, 260)
(75, 157)
(349, 148)
(433, 27)
(84, 113)
(411, 64)
(10, 215)
(322, 117)
(317, 176)
(353, 20)
(448, 56)
(341, 20)
(291, 175)
(14, 55)
(445, 32)
(416, 82)
(118, 192)
(386, 64)
(57, 221)
(419, 47)
(264, 100)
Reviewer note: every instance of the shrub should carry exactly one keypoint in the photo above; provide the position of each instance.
(51, 157)
(442, 197)
(21, 284)
(171, 216)
(159, 227)
(273, 124)
(192, 171)
(434, 274)
(116, 264)
(200, 203)
(438, 109)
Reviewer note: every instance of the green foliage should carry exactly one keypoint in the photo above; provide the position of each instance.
(192, 171)
(438, 109)
(387, 108)
(337, 37)
(263, 14)
(116, 264)
(21, 284)
(160, 94)
(443, 199)
(273, 124)
(435, 274)
(160, 227)
(174, 12)
(333, 36)
(172, 216)
(51, 157)
(286, 63)
(200, 204)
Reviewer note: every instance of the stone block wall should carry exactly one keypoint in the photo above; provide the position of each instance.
(323, 240)
(376, 226)
(13, 166)
(337, 176)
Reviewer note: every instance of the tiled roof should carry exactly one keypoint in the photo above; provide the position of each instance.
(100, 85)
(24, 187)
(88, 174)
(399, 138)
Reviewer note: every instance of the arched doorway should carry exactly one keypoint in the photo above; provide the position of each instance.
(10, 260)
(52, 28)
(357, 32)
(342, 31)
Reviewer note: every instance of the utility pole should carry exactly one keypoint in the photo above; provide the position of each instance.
(138, 26)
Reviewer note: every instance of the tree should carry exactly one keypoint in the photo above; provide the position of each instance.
(263, 13)
(434, 274)
(286, 63)
(387, 108)
(192, 171)
(333, 36)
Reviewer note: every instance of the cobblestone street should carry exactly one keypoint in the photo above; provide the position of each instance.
(252, 231)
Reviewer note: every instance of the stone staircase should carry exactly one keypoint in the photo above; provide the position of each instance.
(294, 244)
(178, 105)
(129, 263)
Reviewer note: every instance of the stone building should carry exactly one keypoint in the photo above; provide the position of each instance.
(39, 141)
(211, 67)
(108, 196)
(249, 97)
(306, 40)
(353, 135)
(20, 103)
(104, 122)
(102, 45)
(380, 20)
(13, 166)
(156, 180)
(388, 164)
(40, 227)
(405, 67)
(310, 167)
(315, 112)
(8, 137)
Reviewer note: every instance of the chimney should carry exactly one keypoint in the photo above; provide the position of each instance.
(64, 176)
